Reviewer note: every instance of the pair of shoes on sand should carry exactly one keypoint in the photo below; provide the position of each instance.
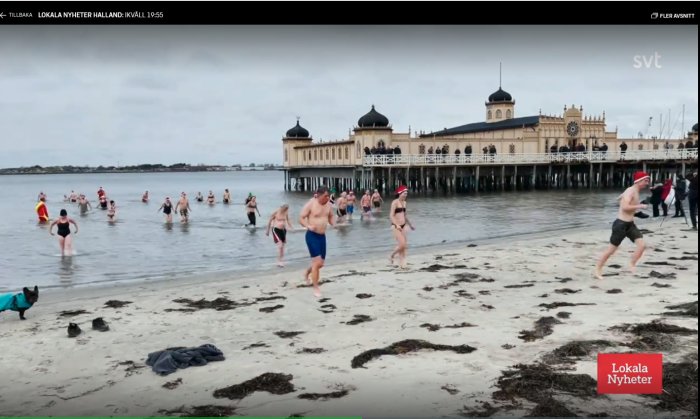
(97, 324)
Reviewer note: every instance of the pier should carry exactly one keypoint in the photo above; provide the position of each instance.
(462, 173)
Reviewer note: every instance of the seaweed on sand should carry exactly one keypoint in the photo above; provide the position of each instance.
(680, 391)
(116, 303)
(537, 383)
(543, 327)
(573, 350)
(405, 346)
(687, 309)
(219, 304)
(271, 382)
(654, 336)
(210, 410)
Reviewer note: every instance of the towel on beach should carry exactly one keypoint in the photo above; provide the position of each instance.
(168, 361)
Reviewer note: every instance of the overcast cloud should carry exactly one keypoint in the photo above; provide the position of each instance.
(122, 95)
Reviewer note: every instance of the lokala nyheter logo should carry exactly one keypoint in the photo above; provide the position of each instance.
(630, 373)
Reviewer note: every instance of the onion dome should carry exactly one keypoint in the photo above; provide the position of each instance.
(695, 128)
(298, 132)
(373, 119)
(500, 95)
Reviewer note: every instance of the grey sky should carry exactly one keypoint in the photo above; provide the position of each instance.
(91, 95)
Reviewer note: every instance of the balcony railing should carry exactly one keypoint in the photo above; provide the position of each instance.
(544, 158)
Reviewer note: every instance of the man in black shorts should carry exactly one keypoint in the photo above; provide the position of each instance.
(624, 226)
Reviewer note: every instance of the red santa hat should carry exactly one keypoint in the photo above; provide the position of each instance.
(401, 189)
(640, 176)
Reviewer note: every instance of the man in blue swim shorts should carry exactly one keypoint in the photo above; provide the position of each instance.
(316, 215)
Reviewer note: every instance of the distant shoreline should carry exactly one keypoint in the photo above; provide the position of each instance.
(60, 170)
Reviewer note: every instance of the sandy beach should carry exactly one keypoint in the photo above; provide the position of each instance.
(507, 328)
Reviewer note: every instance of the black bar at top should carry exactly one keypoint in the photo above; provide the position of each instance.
(352, 13)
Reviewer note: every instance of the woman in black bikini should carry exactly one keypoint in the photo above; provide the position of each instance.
(251, 207)
(397, 213)
(64, 238)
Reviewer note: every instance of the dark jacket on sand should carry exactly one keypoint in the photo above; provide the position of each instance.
(168, 361)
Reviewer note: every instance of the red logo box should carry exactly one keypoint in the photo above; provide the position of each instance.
(630, 373)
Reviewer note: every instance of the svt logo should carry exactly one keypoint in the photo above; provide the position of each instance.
(642, 61)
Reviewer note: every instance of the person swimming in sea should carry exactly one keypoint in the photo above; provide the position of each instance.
(112, 211)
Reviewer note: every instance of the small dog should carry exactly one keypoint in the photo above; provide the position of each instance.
(21, 302)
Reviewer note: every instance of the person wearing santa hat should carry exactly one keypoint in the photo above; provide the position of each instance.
(399, 221)
(624, 225)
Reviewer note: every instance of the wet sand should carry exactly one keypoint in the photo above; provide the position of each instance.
(463, 331)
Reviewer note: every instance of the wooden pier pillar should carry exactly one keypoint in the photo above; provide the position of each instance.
(421, 185)
(389, 185)
(454, 179)
(503, 178)
(476, 179)
(437, 179)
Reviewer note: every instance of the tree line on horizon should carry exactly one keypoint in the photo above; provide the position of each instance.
(137, 168)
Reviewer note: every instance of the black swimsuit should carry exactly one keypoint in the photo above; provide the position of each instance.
(167, 208)
(251, 214)
(396, 211)
(63, 229)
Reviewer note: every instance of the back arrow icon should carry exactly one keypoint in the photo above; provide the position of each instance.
(2, 15)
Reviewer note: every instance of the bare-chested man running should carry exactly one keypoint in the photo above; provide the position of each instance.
(83, 204)
(279, 221)
(341, 207)
(366, 204)
(315, 216)
(377, 201)
(183, 204)
(624, 225)
(351, 203)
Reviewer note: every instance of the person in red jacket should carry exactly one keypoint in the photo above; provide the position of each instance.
(41, 211)
(665, 190)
